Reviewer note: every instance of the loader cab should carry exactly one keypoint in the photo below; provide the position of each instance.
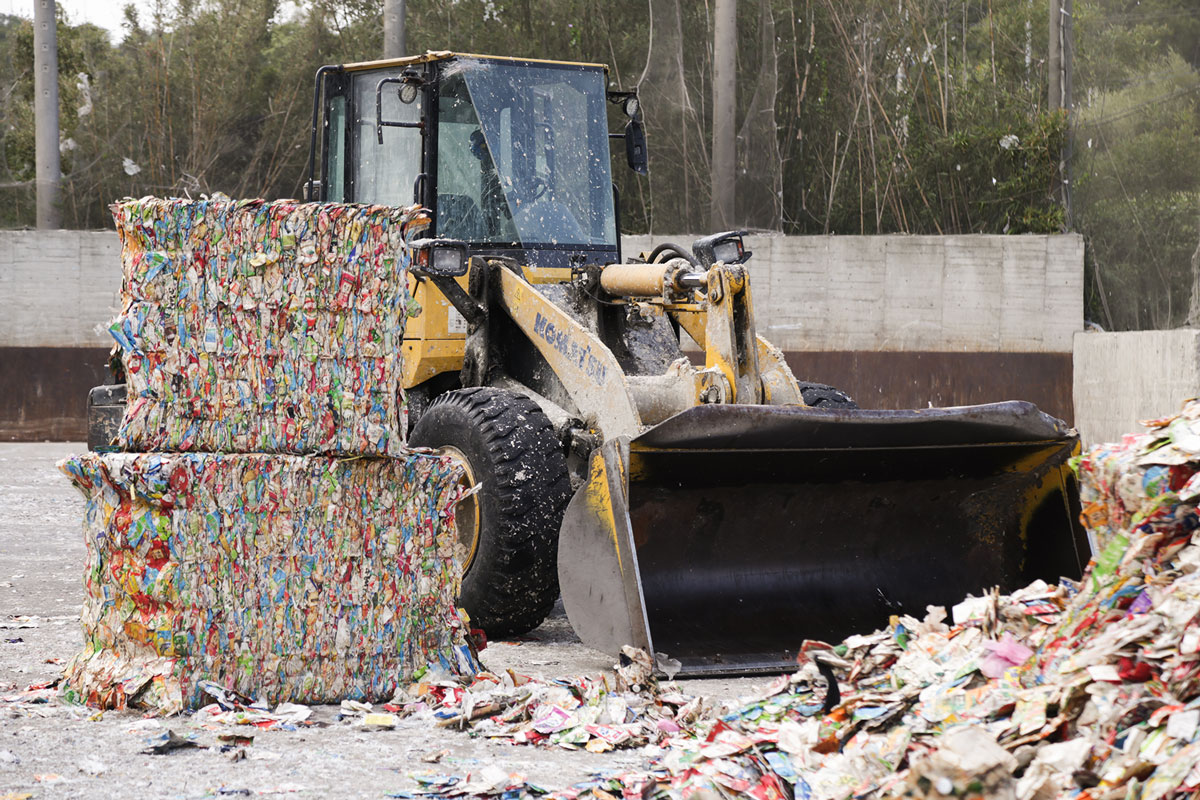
(512, 156)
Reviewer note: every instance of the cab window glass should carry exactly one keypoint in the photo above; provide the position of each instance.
(383, 173)
(470, 202)
(523, 155)
(335, 158)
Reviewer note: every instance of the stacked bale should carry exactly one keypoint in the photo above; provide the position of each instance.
(263, 327)
(232, 540)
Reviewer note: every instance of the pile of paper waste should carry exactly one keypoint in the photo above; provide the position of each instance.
(1086, 689)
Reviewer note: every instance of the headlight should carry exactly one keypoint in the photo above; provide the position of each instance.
(730, 251)
(440, 257)
(726, 247)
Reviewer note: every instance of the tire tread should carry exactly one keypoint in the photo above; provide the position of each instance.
(513, 582)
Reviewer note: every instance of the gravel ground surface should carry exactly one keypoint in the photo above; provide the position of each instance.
(58, 750)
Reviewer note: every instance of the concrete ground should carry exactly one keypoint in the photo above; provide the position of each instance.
(57, 750)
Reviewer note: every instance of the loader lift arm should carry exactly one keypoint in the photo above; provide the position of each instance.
(708, 530)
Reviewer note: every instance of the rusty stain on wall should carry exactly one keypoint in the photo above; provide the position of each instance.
(45, 389)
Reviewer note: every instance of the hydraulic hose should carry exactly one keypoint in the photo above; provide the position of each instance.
(670, 247)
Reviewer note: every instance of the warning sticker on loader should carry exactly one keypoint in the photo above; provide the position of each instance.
(455, 322)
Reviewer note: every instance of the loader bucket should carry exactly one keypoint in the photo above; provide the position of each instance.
(726, 535)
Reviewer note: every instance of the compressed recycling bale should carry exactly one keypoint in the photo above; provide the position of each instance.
(254, 326)
(286, 578)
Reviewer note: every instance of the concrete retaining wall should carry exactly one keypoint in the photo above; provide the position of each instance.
(964, 294)
(1121, 378)
(57, 292)
(898, 321)
(59, 289)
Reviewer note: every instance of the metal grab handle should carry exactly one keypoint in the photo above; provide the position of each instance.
(379, 123)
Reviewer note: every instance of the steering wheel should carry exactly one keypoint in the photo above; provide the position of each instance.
(526, 190)
(535, 188)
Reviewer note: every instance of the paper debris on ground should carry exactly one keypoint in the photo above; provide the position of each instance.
(1087, 689)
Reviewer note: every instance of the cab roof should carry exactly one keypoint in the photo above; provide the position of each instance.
(445, 55)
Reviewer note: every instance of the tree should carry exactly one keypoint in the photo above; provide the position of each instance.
(1137, 160)
(854, 116)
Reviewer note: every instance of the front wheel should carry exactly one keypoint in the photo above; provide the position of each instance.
(508, 530)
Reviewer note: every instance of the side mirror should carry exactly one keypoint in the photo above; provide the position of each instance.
(635, 146)
(439, 258)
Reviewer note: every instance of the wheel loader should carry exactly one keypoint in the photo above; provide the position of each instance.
(635, 445)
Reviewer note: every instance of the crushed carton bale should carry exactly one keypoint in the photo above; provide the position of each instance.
(301, 579)
(1081, 690)
(268, 327)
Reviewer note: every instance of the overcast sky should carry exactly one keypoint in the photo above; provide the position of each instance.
(105, 13)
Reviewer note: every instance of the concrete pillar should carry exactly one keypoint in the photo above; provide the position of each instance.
(48, 177)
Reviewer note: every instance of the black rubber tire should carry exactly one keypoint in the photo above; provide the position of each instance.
(512, 582)
(818, 395)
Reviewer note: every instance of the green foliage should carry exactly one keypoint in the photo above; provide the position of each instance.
(1138, 195)
(202, 97)
(1000, 178)
(1121, 42)
(216, 95)
(904, 109)
(917, 116)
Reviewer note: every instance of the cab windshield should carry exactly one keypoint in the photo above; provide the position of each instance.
(523, 155)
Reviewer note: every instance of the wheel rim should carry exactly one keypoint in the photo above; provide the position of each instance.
(467, 518)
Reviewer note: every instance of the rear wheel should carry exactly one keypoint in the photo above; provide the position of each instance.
(106, 407)
(818, 395)
(509, 529)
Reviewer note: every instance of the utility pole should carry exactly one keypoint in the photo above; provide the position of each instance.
(1061, 63)
(1068, 100)
(48, 177)
(722, 176)
(1068, 52)
(393, 29)
(1054, 67)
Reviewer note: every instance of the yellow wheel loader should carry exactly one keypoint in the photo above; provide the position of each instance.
(709, 512)
(635, 444)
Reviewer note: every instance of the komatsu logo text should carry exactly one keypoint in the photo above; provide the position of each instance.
(579, 355)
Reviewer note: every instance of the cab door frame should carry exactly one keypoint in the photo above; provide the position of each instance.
(336, 82)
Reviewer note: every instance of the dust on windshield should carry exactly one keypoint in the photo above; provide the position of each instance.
(523, 155)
